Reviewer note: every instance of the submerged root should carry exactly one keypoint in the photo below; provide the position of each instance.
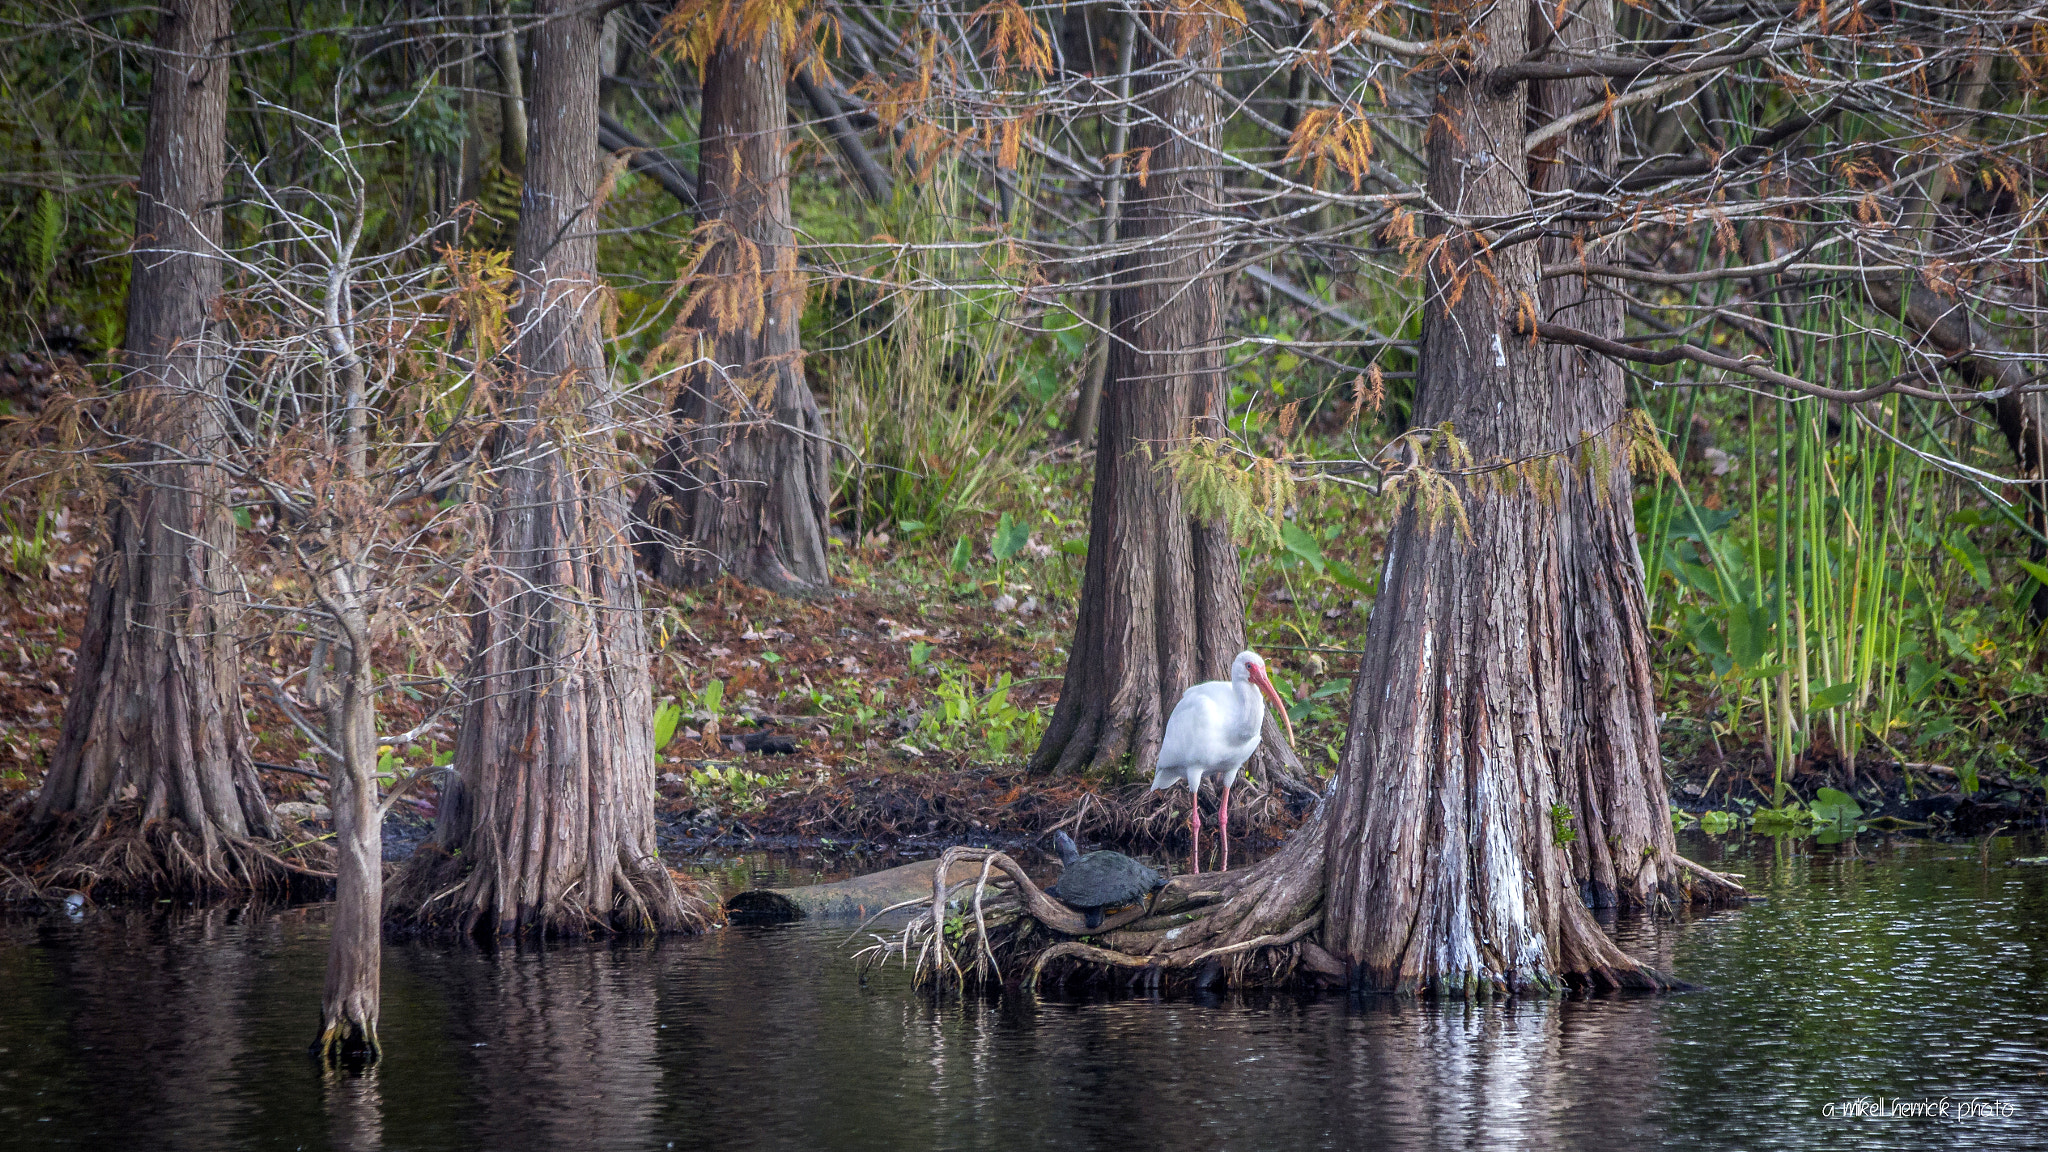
(348, 1040)
(1715, 887)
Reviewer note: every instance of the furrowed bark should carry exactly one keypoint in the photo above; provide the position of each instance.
(151, 786)
(1162, 599)
(1443, 872)
(1610, 778)
(743, 485)
(548, 826)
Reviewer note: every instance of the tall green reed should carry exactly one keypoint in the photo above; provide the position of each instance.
(1814, 589)
(928, 364)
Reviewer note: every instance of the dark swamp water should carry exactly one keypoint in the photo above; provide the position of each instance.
(1900, 970)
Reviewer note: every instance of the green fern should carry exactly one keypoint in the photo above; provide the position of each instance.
(45, 226)
(497, 201)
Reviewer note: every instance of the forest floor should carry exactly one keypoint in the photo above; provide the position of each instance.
(898, 709)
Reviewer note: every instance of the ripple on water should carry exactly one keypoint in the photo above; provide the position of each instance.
(1901, 971)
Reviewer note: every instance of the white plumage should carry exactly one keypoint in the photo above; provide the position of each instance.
(1215, 728)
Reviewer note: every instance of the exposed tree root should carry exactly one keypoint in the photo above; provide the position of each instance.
(1255, 927)
(114, 854)
(440, 893)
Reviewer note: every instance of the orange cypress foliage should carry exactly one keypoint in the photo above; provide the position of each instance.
(1333, 136)
(694, 30)
(1015, 40)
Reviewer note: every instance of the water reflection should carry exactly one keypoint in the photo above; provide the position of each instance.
(355, 1110)
(1902, 970)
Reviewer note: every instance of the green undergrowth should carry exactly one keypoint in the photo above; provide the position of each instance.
(1818, 588)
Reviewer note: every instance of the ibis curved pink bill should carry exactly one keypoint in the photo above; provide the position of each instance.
(1215, 728)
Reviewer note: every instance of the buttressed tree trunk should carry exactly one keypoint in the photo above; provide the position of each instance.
(1162, 600)
(151, 785)
(549, 824)
(1443, 870)
(1610, 776)
(743, 485)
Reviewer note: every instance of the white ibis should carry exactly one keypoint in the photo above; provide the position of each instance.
(1215, 728)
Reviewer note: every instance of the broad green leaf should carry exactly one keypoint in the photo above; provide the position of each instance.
(666, 718)
(1303, 545)
(1718, 822)
(1348, 577)
(1074, 547)
(1706, 634)
(1696, 523)
(1833, 806)
(2039, 573)
(1010, 538)
(1920, 675)
(1970, 557)
(1698, 576)
(1790, 818)
(963, 553)
(1749, 633)
(1832, 696)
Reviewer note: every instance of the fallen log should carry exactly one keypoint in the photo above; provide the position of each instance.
(848, 899)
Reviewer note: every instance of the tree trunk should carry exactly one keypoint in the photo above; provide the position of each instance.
(548, 826)
(1088, 405)
(350, 1000)
(1504, 650)
(512, 127)
(1443, 872)
(1162, 600)
(151, 785)
(743, 486)
(1610, 774)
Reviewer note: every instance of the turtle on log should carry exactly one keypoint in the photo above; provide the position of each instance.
(1099, 880)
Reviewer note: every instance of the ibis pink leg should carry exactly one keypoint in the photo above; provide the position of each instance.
(1194, 832)
(1223, 821)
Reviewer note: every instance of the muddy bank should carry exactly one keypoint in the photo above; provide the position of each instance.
(985, 806)
(916, 812)
(1893, 794)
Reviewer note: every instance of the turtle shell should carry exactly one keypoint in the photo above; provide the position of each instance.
(1106, 880)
